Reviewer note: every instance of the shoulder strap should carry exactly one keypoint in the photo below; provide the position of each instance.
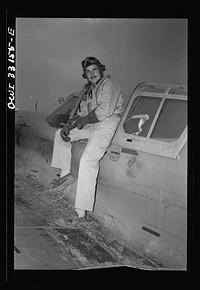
(82, 95)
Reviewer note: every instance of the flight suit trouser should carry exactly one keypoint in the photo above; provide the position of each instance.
(99, 136)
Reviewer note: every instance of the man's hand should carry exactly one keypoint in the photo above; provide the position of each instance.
(71, 124)
(91, 118)
(65, 132)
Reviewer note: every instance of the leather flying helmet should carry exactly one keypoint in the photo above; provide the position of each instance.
(90, 60)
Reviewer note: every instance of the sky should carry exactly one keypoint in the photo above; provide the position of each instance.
(49, 52)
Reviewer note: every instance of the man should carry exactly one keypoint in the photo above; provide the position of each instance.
(96, 121)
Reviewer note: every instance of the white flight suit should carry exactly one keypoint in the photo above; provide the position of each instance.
(108, 104)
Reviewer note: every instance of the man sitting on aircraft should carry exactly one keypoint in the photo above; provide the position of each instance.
(97, 121)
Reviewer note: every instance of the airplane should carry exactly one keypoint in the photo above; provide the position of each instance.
(142, 184)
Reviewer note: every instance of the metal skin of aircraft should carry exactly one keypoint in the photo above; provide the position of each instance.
(141, 191)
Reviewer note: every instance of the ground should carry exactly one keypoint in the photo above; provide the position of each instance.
(40, 244)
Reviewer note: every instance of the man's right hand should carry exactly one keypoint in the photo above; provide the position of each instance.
(71, 124)
(65, 132)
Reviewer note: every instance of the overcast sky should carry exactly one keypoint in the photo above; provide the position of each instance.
(50, 51)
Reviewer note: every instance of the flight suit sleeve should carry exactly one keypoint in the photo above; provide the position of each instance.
(107, 99)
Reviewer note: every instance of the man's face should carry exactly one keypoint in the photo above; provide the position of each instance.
(93, 74)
